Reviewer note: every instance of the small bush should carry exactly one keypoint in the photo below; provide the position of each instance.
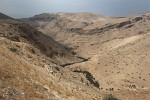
(33, 51)
(13, 49)
(110, 97)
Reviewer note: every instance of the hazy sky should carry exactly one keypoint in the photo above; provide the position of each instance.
(27, 8)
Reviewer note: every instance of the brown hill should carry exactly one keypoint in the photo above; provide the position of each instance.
(33, 67)
(117, 48)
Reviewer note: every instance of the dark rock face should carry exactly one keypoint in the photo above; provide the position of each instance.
(123, 24)
(137, 19)
(89, 77)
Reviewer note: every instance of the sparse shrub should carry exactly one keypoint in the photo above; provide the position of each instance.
(144, 79)
(111, 89)
(110, 97)
(13, 49)
(32, 50)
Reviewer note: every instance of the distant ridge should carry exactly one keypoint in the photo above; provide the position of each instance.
(3, 16)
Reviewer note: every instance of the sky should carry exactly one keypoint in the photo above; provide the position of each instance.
(28, 8)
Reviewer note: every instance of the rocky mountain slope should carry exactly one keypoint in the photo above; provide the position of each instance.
(116, 49)
(33, 66)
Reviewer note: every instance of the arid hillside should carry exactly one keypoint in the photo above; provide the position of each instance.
(116, 49)
(33, 66)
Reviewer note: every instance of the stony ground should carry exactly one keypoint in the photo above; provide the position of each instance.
(74, 56)
(115, 49)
